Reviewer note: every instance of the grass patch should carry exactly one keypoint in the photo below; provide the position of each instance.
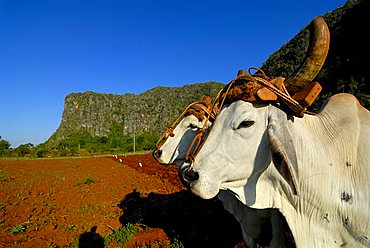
(176, 243)
(68, 228)
(85, 208)
(3, 177)
(18, 229)
(121, 235)
(87, 180)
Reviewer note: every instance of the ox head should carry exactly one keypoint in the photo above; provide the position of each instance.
(246, 141)
(251, 137)
(181, 134)
(175, 147)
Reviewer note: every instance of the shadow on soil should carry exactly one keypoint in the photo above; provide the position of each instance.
(91, 239)
(191, 220)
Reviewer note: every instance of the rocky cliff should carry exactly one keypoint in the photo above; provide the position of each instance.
(150, 112)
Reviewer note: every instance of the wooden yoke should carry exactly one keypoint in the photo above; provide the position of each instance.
(267, 95)
(308, 95)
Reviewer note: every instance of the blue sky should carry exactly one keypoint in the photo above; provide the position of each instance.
(50, 48)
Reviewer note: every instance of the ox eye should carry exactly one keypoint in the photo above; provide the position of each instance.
(192, 126)
(245, 124)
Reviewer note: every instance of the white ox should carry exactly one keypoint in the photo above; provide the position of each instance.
(315, 170)
(251, 220)
(174, 149)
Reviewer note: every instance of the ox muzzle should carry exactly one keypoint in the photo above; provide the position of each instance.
(187, 175)
(157, 154)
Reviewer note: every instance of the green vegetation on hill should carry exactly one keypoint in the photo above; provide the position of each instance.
(101, 123)
(347, 67)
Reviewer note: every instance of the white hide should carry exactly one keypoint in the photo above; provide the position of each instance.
(323, 185)
(250, 220)
(175, 147)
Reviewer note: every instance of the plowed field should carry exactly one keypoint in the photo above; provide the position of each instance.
(75, 202)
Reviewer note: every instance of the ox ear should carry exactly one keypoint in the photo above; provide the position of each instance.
(283, 151)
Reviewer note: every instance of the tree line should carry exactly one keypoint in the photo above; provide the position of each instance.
(82, 143)
(21, 151)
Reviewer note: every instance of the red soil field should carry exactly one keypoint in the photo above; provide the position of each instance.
(65, 202)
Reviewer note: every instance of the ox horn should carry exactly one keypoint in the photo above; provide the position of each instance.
(315, 58)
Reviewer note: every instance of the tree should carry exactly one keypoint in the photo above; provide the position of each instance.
(24, 149)
(40, 150)
(4, 146)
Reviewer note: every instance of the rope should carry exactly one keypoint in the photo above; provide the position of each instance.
(169, 132)
(198, 137)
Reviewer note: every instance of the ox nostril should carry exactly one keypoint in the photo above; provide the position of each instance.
(187, 174)
(157, 153)
(190, 175)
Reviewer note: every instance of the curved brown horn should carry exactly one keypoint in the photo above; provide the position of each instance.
(319, 47)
